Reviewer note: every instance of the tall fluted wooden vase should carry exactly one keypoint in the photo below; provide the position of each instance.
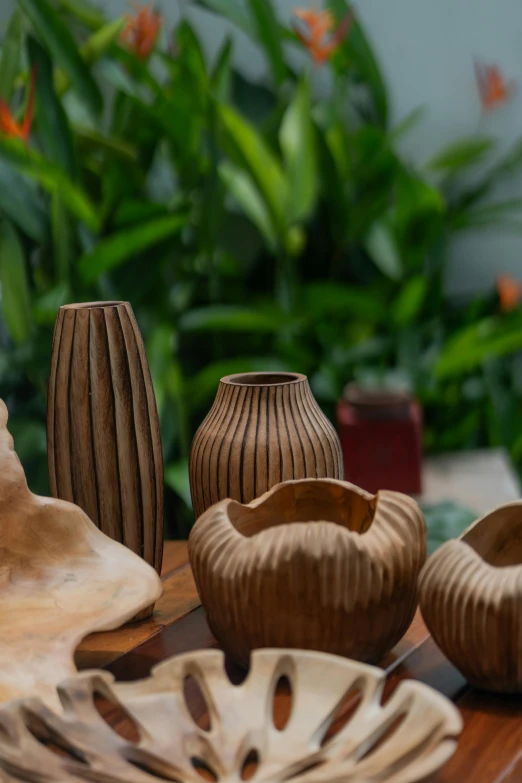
(103, 436)
(263, 428)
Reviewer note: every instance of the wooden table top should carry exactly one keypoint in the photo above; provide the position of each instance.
(490, 746)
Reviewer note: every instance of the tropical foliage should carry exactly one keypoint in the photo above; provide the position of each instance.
(251, 225)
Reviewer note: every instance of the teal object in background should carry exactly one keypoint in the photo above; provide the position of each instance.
(446, 520)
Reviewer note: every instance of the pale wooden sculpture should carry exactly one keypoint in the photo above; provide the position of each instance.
(103, 435)
(263, 428)
(270, 574)
(60, 579)
(404, 741)
(471, 600)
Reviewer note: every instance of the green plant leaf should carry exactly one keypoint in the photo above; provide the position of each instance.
(254, 101)
(221, 79)
(234, 11)
(112, 144)
(15, 297)
(408, 122)
(62, 239)
(326, 299)
(229, 318)
(245, 192)
(508, 165)
(494, 214)
(268, 34)
(251, 152)
(417, 218)
(135, 210)
(338, 144)
(22, 203)
(408, 304)
(85, 11)
(381, 247)
(53, 125)
(177, 478)
(189, 54)
(201, 388)
(117, 248)
(355, 56)
(51, 177)
(297, 139)
(471, 346)
(47, 305)
(59, 40)
(12, 49)
(331, 166)
(93, 50)
(461, 154)
(101, 41)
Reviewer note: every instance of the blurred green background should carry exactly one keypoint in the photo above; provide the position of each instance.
(252, 226)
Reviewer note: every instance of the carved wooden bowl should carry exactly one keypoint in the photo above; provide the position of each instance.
(326, 723)
(312, 564)
(471, 600)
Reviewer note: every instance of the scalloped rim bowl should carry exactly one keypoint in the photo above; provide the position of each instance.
(311, 564)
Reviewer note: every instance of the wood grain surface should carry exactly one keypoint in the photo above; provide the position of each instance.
(490, 746)
(103, 437)
(311, 564)
(61, 579)
(471, 598)
(179, 598)
(401, 740)
(263, 428)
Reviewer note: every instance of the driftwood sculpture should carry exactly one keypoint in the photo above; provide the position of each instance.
(60, 579)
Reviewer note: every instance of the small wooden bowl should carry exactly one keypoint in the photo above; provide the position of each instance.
(471, 600)
(315, 564)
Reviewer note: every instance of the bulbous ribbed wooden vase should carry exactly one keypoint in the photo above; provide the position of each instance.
(312, 564)
(263, 428)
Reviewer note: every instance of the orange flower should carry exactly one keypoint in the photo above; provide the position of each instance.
(141, 31)
(9, 126)
(317, 39)
(493, 88)
(509, 293)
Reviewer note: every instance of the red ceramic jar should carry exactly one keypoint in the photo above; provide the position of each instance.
(381, 437)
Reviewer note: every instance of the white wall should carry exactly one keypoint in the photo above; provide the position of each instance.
(426, 50)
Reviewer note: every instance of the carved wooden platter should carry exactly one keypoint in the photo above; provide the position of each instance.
(60, 579)
(235, 735)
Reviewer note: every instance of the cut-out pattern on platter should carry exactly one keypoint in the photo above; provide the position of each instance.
(402, 741)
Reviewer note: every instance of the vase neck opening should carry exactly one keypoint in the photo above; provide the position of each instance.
(93, 305)
(263, 378)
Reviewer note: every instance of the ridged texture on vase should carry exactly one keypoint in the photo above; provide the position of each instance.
(270, 575)
(471, 601)
(103, 437)
(258, 434)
